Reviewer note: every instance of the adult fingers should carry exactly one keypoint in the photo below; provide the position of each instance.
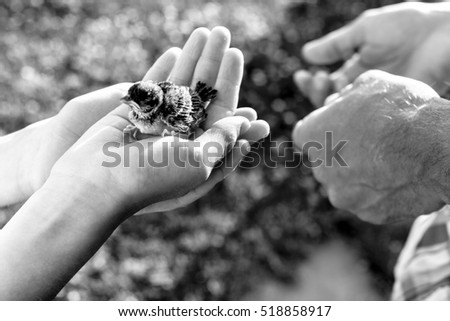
(316, 87)
(209, 62)
(187, 61)
(320, 88)
(303, 80)
(345, 75)
(337, 45)
(162, 67)
(228, 84)
(308, 129)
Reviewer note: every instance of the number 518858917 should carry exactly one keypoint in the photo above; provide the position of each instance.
(295, 311)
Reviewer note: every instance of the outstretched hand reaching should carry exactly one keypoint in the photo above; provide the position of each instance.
(407, 39)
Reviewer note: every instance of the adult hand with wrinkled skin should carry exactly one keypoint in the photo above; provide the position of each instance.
(397, 153)
(407, 39)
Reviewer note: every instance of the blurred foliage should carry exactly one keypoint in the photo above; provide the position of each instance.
(258, 222)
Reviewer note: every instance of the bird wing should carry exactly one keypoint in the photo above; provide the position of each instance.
(198, 108)
(177, 108)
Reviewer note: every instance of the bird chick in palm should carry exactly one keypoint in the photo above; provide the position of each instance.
(163, 108)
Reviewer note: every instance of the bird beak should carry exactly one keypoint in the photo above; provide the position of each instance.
(125, 100)
(128, 101)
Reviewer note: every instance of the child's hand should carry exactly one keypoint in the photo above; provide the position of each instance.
(205, 57)
(202, 57)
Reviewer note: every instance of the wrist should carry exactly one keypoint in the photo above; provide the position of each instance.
(51, 237)
(89, 197)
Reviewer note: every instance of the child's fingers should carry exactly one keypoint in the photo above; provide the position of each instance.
(209, 62)
(186, 63)
(163, 66)
(228, 84)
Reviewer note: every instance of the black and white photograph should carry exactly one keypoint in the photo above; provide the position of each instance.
(229, 151)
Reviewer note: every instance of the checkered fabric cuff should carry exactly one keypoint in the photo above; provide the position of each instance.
(423, 268)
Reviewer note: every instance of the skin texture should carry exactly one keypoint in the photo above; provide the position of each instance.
(79, 202)
(407, 39)
(397, 151)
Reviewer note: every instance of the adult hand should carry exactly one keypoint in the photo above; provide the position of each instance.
(205, 57)
(395, 161)
(407, 39)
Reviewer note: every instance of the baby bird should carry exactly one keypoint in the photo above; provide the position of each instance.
(163, 108)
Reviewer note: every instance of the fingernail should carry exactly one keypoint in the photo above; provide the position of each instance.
(246, 148)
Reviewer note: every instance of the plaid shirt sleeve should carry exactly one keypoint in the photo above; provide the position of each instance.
(423, 268)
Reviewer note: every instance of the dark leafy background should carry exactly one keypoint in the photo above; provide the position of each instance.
(260, 222)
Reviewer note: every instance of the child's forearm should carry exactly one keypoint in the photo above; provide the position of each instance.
(17, 152)
(51, 237)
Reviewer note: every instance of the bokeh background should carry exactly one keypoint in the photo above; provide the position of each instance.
(264, 233)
